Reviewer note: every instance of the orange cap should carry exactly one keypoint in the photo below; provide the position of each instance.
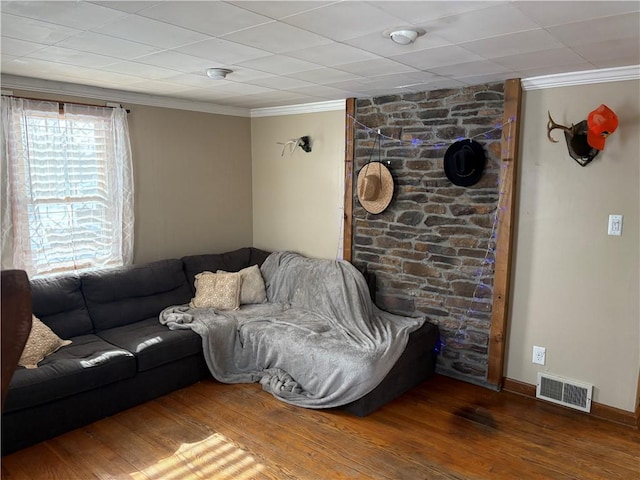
(602, 122)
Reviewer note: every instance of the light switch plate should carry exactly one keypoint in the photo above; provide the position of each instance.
(615, 225)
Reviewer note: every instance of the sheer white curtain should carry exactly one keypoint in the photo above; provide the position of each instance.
(67, 187)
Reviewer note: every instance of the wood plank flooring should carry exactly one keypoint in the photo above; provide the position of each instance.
(443, 429)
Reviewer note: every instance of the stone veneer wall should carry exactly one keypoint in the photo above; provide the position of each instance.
(431, 248)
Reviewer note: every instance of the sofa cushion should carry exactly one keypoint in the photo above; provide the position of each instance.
(230, 262)
(59, 303)
(153, 343)
(129, 294)
(87, 363)
(258, 256)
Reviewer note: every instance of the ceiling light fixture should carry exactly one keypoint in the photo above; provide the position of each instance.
(218, 73)
(403, 35)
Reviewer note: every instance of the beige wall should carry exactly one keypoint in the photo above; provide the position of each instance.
(193, 182)
(576, 289)
(192, 174)
(298, 198)
(210, 183)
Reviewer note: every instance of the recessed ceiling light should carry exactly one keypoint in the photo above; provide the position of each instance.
(403, 35)
(218, 73)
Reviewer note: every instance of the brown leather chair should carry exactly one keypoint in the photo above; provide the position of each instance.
(15, 320)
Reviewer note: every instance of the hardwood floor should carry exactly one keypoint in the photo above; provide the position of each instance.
(443, 429)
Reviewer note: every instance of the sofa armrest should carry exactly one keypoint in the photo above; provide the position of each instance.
(15, 321)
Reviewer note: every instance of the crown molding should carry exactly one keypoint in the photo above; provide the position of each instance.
(603, 75)
(298, 109)
(119, 96)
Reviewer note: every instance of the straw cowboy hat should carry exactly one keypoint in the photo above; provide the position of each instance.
(464, 162)
(375, 187)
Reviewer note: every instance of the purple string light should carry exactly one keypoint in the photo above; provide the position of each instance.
(488, 258)
(417, 142)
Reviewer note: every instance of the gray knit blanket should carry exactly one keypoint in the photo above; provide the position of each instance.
(318, 342)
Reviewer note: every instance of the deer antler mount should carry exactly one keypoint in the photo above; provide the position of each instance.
(576, 138)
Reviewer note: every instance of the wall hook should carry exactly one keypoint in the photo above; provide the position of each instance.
(303, 142)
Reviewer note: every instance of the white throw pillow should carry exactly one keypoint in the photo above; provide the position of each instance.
(253, 289)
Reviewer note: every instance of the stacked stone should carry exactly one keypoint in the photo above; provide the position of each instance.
(431, 248)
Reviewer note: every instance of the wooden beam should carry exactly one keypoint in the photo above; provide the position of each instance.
(504, 241)
(637, 412)
(349, 157)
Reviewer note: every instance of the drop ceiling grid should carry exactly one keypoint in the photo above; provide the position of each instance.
(309, 51)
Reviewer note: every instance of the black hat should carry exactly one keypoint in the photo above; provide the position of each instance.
(464, 162)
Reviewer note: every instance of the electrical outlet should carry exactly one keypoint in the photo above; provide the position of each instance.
(539, 354)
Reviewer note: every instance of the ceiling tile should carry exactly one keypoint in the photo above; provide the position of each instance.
(244, 74)
(513, 44)
(80, 15)
(484, 78)
(73, 57)
(176, 61)
(609, 28)
(415, 12)
(127, 6)
(351, 86)
(279, 9)
(98, 77)
(323, 91)
(61, 76)
(546, 58)
(150, 32)
(550, 13)
(483, 67)
(552, 70)
(157, 87)
(5, 59)
(202, 95)
(279, 64)
(222, 51)
(106, 45)
(395, 80)
(380, 45)
(344, 20)
(280, 83)
(194, 80)
(32, 30)
(419, 76)
(324, 75)
(140, 70)
(25, 66)
(332, 54)
(213, 18)
(276, 37)
(437, 57)
(434, 84)
(379, 66)
(19, 48)
(242, 88)
(487, 22)
(276, 98)
(611, 53)
(321, 49)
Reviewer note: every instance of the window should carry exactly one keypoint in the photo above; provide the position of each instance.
(67, 187)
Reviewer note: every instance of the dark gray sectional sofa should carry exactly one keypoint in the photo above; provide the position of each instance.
(120, 354)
